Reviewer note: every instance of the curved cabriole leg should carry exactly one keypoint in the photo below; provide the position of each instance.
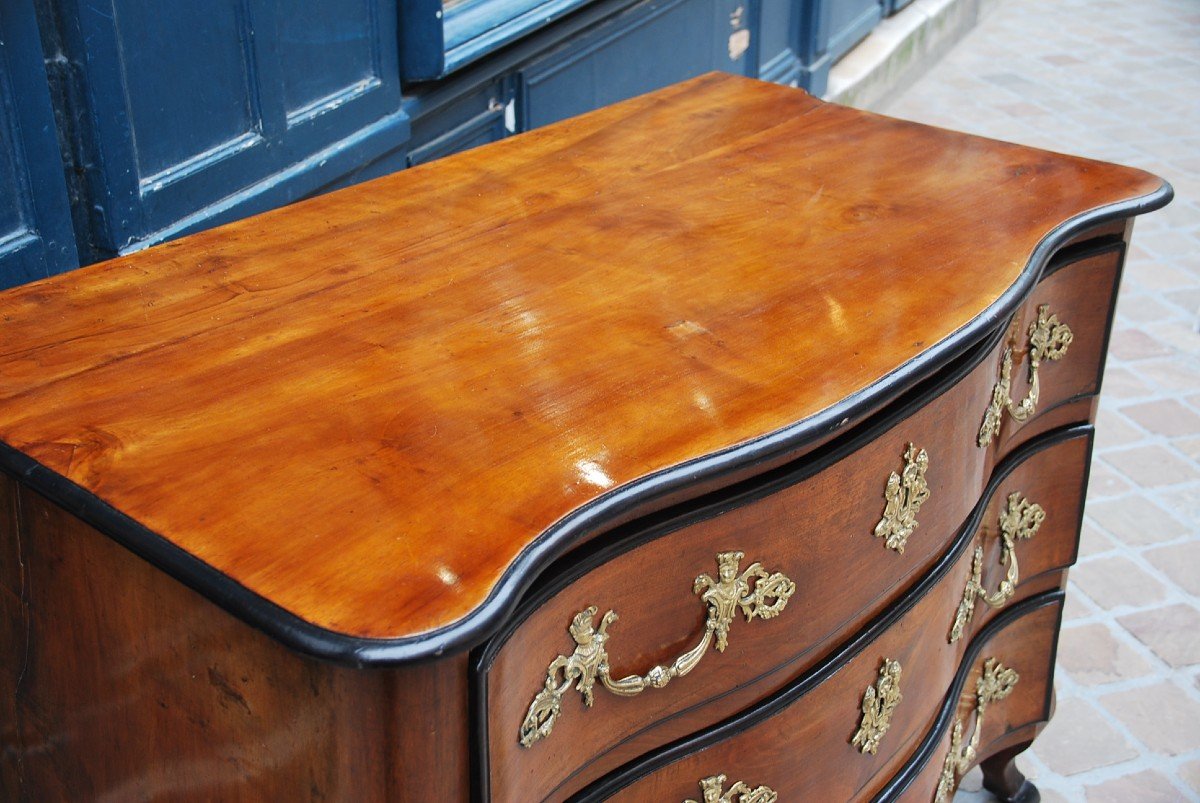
(1002, 778)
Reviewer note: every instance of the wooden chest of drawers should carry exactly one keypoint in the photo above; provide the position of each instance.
(720, 445)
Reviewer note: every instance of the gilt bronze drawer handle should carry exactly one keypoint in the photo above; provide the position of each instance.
(723, 597)
(878, 703)
(995, 683)
(1020, 519)
(903, 495)
(1048, 340)
(714, 791)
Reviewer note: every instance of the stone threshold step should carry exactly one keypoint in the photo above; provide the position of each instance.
(901, 49)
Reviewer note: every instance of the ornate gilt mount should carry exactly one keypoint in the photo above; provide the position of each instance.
(1019, 520)
(1048, 340)
(878, 703)
(996, 683)
(589, 662)
(903, 495)
(713, 789)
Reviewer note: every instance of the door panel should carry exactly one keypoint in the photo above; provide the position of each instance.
(36, 238)
(202, 113)
(330, 53)
(184, 115)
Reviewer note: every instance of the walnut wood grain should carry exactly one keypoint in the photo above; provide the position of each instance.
(805, 751)
(121, 684)
(793, 532)
(366, 407)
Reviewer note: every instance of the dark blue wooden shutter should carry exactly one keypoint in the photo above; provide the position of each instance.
(204, 112)
(624, 56)
(36, 238)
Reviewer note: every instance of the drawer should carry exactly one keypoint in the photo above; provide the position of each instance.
(1074, 300)
(867, 711)
(802, 531)
(1011, 714)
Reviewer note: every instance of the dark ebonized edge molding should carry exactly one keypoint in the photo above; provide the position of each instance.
(926, 751)
(639, 497)
(840, 655)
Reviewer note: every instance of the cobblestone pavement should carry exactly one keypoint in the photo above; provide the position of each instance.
(1117, 80)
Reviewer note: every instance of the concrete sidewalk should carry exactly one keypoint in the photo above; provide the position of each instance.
(1117, 80)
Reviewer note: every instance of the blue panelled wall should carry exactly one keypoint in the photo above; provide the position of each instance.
(125, 123)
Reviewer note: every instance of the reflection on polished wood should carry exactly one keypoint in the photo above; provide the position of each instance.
(365, 407)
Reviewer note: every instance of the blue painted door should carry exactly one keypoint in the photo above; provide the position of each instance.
(196, 113)
(625, 56)
(35, 219)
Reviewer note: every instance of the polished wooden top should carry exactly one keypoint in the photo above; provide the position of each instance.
(364, 408)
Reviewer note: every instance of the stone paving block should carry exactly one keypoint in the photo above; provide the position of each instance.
(1189, 773)
(1189, 446)
(1093, 656)
(1173, 633)
(1164, 417)
(1147, 786)
(1105, 482)
(1077, 606)
(1094, 542)
(1173, 376)
(1134, 344)
(1185, 503)
(1112, 582)
(1079, 739)
(1142, 309)
(1162, 716)
(1180, 213)
(1178, 335)
(1152, 466)
(1175, 243)
(1121, 383)
(1135, 520)
(1062, 59)
(1114, 429)
(1181, 563)
(1187, 299)
(1159, 276)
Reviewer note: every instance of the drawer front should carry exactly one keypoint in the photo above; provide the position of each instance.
(1069, 313)
(994, 709)
(652, 591)
(844, 731)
